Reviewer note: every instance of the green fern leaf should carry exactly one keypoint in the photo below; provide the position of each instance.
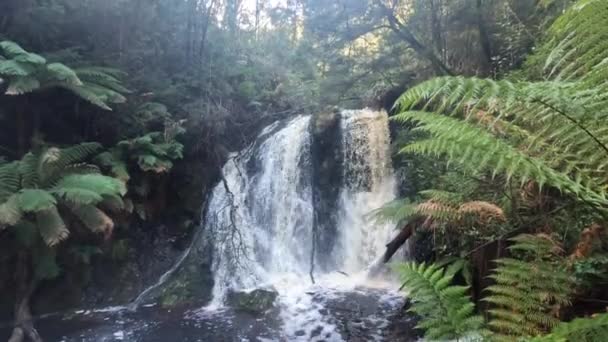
(10, 212)
(63, 74)
(13, 68)
(52, 227)
(88, 188)
(446, 311)
(94, 219)
(34, 200)
(22, 85)
(11, 49)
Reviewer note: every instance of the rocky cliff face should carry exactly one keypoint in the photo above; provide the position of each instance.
(327, 180)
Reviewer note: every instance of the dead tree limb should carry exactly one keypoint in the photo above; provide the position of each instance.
(406, 232)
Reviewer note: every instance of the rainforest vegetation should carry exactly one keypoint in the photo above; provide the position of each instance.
(117, 116)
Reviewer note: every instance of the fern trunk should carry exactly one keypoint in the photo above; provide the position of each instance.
(21, 134)
(25, 285)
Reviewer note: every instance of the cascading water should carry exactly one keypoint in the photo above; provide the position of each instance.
(261, 222)
(369, 183)
(261, 218)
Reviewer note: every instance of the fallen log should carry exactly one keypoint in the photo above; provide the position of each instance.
(406, 232)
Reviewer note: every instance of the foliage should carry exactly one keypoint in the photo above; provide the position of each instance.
(446, 311)
(539, 134)
(25, 72)
(441, 210)
(590, 329)
(529, 290)
(35, 188)
(549, 132)
(153, 152)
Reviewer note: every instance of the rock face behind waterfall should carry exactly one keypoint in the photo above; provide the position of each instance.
(327, 182)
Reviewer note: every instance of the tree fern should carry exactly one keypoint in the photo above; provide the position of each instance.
(550, 131)
(446, 311)
(51, 226)
(463, 142)
(26, 72)
(529, 289)
(153, 152)
(51, 177)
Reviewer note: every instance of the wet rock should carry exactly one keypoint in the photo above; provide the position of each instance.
(255, 301)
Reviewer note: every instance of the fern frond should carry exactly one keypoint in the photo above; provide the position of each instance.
(114, 162)
(25, 72)
(395, 211)
(60, 162)
(52, 227)
(462, 142)
(87, 95)
(589, 329)
(153, 152)
(63, 74)
(14, 68)
(10, 212)
(88, 188)
(22, 85)
(578, 42)
(526, 290)
(29, 169)
(35, 200)
(30, 58)
(11, 49)
(103, 77)
(446, 311)
(484, 210)
(94, 219)
(9, 180)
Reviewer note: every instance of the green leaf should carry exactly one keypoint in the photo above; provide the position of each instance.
(63, 74)
(10, 212)
(52, 228)
(12, 49)
(94, 219)
(35, 200)
(22, 85)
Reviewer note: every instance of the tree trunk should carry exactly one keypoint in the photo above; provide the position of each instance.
(484, 38)
(406, 232)
(436, 27)
(22, 131)
(209, 11)
(24, 327)
(404, 33)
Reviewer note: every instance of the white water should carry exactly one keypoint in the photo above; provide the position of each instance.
(262, 226)
(271, 211)
(369, 184)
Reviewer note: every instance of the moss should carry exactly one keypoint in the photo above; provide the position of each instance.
(190, 285)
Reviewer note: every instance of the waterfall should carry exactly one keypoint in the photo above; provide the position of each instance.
(261, 215)
(369, 183)
(301, 193)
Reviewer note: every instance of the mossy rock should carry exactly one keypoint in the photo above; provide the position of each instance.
(256, 301)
